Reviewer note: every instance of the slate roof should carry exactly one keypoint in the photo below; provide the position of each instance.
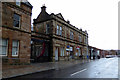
(60, 15)
(28, 4)
(43, 16)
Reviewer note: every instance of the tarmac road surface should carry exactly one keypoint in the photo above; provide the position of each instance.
(106, 68)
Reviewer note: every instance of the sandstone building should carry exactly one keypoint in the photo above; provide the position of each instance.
(16, 32)
(54, 39)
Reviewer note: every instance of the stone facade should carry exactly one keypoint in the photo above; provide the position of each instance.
(20, 34)
(67, 41)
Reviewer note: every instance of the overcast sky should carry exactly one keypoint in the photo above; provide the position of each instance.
(98, 17)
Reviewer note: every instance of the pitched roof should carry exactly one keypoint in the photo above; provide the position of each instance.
(60, 15)
(28, 4)
(43, 16)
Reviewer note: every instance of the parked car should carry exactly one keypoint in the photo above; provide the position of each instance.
(118, 55)
(110, 56)
(107, 56)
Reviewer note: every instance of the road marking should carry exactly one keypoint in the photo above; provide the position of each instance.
(78, 72)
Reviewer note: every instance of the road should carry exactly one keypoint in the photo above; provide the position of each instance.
(101, 68)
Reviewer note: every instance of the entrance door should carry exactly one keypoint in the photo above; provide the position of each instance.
(38, 50)
(56, 54)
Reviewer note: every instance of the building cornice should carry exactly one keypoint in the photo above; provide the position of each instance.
(53, 37)
(70, 25)
(81, 32)
(15, 29)
(17, 7)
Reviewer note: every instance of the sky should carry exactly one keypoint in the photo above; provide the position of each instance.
(98, 17)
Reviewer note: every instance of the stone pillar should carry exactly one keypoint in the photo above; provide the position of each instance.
(10, 51)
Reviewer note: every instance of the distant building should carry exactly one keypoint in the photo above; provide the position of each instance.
(112, 52)
(118, 52)
(109, 53)
(54, 39)
(16, 32)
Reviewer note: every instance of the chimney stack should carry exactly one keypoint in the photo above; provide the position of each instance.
(43, 8)
(68, 21)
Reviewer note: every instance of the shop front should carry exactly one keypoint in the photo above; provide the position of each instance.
(40, 51)
(70, 52)
(78, 53)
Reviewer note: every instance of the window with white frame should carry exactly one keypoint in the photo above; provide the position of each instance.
(47, 28)
(16, 20)
(60, 30)
(3, 47)
(62, 51)
(18, 2)
(71, 35)
(57, 30)
(15, 47)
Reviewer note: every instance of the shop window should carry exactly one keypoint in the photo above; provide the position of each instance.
(15, 47)
(62, 51)
(3, 47)
(79, 52)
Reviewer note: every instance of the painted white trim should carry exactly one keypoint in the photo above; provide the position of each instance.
(19, 21)
(6, 49)
(18, 47)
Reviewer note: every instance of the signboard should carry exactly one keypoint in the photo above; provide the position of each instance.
(77, 47)
(71, 48)
(68, 46)
(67, 49)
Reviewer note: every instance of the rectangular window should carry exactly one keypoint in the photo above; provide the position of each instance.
(15, 47)
(18, 2)
(16, 22)
(80, 38)
(71, 35)
(85, 40)
(61, 31)
(47, 29)
(3, 47)
(57, 30)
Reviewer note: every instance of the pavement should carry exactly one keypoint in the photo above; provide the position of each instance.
(38, 67)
